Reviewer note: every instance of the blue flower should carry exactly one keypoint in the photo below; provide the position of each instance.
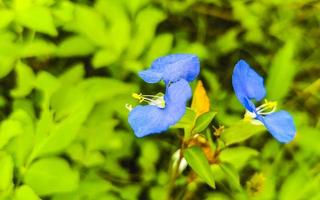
(248, 85)
(172, 68)
(162, 111)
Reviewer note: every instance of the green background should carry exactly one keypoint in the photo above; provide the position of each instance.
(67, 68)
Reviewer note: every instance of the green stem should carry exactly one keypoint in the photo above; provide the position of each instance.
(175, 172)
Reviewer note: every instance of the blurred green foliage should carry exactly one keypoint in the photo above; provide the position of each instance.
(67, 68)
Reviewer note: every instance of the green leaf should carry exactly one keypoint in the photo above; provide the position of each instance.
(62, 134)
(119, 24)
(6, 171)
(21, 145)
(187, 120)
(6, 17)
(37, 48)
(9, 128)
(89, 23)
(7, 64)
(237, 156)
(199, 163)
(47, 84)
(161, 45)
(75, 46)
(240, 132)
(49, 176)
(37, 18)
(145, 27)
(282, 72)
(25, 80)
(25, 192)
(73, 75)
(203, 121)
(232, 174)
(104, 58)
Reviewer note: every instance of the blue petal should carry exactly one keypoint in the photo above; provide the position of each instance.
(150, 76)
(247, 84)
(281, 126)
(146, 120)
(172, 68)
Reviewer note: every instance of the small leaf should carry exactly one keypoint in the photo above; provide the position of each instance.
(232, 173)
(160, 46)
(6, 171)
(25, 192)
(240, 132)
(49, 176)
(6, 18)
(282, 71)
(91, 24)
(237, 156)
(75, 46)
(200, 101)
(187, 120)
(37, 48)
(199, 163)
(37, 18)
(25, 80)
(104, 58)
(146, 23)
(203, 121)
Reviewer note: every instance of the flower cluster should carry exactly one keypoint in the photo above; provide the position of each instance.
(163, 111)
(177, 70)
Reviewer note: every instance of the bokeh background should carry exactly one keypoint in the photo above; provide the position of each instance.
(67, 68)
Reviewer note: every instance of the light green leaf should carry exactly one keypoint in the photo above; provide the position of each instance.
(199, 163)
(47, 84)
(237, 156)
(240, 132)
(6, 171)
(21, 145)
(232, 174)
(37, 18)
(62, 134)
(37, 48)
(282, 71)
(7, 64)
(119, 23)
(6, 17)
(203, 121)
(49, 176)
(73, 75)
(104, 57)
(160, 46)
(145, 26)
(25, 80)
(187, 120)
(9, 128)
(135, 5)
(89, 23)
(25, 192)
(75, 46)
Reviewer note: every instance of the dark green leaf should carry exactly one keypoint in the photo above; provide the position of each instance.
(199, 163)
(203, 121)
(240, 132)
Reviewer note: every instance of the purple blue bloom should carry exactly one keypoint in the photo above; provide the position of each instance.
(248, 85)
(172, 68)
(163, 111)
(150, 119)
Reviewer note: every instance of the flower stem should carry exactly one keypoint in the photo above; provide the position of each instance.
(175, 173)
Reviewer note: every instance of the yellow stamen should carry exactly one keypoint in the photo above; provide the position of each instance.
(157, 100)
(138, 96)
(267, 108)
